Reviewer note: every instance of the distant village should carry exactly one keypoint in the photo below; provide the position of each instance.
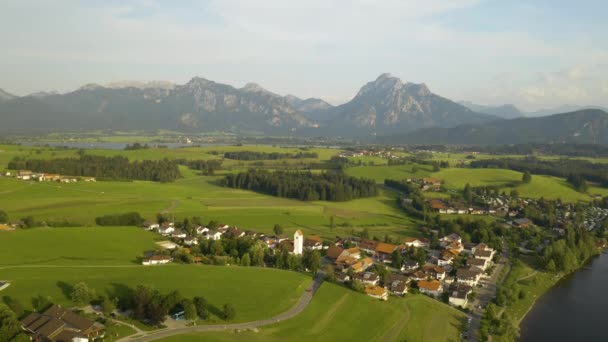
(28, 175)
(452, 270)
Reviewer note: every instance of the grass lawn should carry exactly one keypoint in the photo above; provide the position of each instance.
(534, 285)
(243, 287)
(541, 186)
(380, 173)
(74, 246)
(49, 261)
(339, 314)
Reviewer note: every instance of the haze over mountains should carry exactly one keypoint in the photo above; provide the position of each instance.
(385, 106)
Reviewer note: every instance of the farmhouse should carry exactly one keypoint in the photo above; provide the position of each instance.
(367, 278)
(459, 294)
(522, 223)
(148, 225)
(432, 287)
(397, 284)
(333, 252)
(384, 251)
(376, 292)
(468, 276)
(409, 266)
(418, 243)
(486, 254)
(156, 260)
(313, 242)
(57, 324)
(478, 262)
(368, 246)
(24, 174)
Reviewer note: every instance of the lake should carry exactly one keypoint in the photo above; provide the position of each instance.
(575, 309)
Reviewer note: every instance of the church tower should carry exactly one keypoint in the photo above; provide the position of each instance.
(298, 242)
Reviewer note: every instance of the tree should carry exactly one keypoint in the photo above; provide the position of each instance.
(28, 222)
(329, 273)
(514, 194)
(3, 217)
(217, 248)
(246, 260)
(10, 327)
(81, 294)
(190, 312)
(311, 260)
(278, 229)
(108, 305)
(468, 193)
(527, 177)
(14, 305)
(41, 303)
(201, 306)
(228, 313)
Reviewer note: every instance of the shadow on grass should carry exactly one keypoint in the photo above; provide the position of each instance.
(66, 289)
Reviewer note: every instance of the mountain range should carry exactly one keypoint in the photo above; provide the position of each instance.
(586, 126)
(385, 105)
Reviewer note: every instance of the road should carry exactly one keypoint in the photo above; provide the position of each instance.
(486, 294)
(295, 310)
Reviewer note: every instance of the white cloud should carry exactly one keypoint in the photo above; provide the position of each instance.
(315, 48)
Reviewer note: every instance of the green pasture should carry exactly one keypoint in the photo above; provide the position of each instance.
(49, 261)
(380, 173)
(339, 314)
(199, 196)
(541, 186)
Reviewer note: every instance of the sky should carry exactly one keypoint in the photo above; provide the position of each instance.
(534, 54)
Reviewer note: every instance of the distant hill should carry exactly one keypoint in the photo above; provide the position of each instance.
(583, 126)
(4, 96)
(389, 105)
(199, 105)
(561, 109)
(385, 105)
(506, 111)
(315, 109)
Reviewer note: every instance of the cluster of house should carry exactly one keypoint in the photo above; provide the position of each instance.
(427, 184)
(361, 153)
(431, 278)
(447, 207)
(58, 324)
(47, 177)
(168, 229)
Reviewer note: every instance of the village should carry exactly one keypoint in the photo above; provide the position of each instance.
(450, 271)
(27, 175)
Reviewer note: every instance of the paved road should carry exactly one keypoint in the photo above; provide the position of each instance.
(486, 294)
(295, 310)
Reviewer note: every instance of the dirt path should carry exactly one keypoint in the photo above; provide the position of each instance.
(173, 205)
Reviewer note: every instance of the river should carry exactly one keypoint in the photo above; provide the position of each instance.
(575, 309)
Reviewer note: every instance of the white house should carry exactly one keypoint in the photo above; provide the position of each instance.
(157, 260)
(150, 225)
(212, 235)
(200, 230)
(298, 242)
(189, 241)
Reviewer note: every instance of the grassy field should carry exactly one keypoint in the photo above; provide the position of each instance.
(540, 186)
(380, 173)
(199, 196)
(49, 262)
(337, 314)
(75, 246)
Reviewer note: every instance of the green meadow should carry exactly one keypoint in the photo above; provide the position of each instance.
(541, 186)
(338, 314)
(49, 261)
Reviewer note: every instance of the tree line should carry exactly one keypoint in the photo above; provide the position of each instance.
(252, 155)
(127, 219)
(208, 167)
(305, 186)
(114, 168)
(564, 168)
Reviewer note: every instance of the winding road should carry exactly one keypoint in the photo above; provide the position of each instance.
(302, 303)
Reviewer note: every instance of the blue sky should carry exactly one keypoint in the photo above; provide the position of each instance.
(535, 54)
